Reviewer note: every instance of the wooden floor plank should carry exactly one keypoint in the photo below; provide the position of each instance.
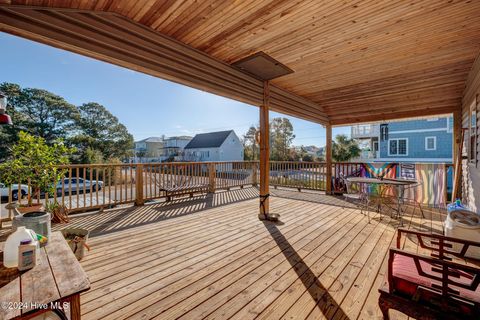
(210, 257)
(252, 269)
(292, 295)
(275, 300)
(281, 276)
(334, 282)
(253, 242)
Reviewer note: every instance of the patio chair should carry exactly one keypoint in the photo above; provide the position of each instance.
(433, 287)
(409, 197)
(397, 199)
(375, 198)
(355, 196)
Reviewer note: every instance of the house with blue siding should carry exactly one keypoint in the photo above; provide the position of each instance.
(422, 140)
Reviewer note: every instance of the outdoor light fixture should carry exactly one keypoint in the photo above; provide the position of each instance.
(262, 66)
(4, 118)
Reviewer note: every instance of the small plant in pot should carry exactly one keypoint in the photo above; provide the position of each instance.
(35, 163)
(58, 212)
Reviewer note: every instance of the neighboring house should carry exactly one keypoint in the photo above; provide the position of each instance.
(368, 136)
(174, 146)
(214, 146)
(158, 149)
(149, 149)
(424, 140)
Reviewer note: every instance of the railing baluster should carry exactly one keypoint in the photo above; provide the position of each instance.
(10, 211)
(120, 183)
(114, 173)
(97, 202)
(84, 186)
(70, 191)
(104, 185)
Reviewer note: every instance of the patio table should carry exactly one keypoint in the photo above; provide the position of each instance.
(400, 184)
(54, 284)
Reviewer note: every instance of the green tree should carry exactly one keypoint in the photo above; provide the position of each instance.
(38, 112)
(141, 154)
(33, 160)
(251, 148)
(344, 149)
(281, 137)
(303, 155)
(100, 130)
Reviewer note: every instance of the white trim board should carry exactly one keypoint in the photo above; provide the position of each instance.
(443, 160)
(418, 130)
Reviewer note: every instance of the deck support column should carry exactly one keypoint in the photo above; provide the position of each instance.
(264, 213)
(139, 201)
(457, 154)
(328, 159)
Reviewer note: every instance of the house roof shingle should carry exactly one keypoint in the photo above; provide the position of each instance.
(208, 140)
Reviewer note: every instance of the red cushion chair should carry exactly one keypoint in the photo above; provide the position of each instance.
(431, 288)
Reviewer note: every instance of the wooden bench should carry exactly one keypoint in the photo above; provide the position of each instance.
(435, 287)
(186, 189)
(54, 283)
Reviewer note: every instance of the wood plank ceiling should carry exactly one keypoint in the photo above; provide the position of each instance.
(354, 61)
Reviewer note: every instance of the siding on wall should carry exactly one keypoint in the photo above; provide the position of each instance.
(470, 171)
(440, 123)
(441, 129)
(231, 149)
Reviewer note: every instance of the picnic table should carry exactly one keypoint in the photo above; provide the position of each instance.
(54, 284)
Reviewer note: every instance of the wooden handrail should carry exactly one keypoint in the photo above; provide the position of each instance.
(112, 184)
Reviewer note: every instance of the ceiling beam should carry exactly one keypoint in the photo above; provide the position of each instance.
(115, 39)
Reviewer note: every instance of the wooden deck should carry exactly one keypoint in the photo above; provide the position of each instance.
(212, 258)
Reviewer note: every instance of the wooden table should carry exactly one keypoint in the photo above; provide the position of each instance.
(56, 281)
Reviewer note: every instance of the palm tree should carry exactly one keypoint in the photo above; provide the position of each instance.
(344, 149)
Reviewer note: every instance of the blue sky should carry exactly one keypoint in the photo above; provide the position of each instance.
(148, 106)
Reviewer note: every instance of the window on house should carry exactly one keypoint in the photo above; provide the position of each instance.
(430, 143)
(398, 147)
(384, 132)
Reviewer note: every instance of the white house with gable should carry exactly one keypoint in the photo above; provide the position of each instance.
(214, 146)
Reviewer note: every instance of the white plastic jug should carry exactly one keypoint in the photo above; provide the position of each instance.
(10, 250)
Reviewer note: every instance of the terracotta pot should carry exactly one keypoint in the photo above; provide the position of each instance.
(33, 208)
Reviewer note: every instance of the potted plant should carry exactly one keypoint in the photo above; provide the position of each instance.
(35, 163)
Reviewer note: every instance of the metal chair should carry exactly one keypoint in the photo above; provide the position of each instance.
(354, 196)
(375, 197)
(408, 200)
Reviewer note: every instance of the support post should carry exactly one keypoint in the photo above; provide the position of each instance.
(211, 177)
(139, 201)
(457, 154)
(328, 159)
(457, 134)
(264, 154)
(254, 174)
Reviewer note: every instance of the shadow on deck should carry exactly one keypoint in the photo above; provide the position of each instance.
(100, 223)
(210, 257)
